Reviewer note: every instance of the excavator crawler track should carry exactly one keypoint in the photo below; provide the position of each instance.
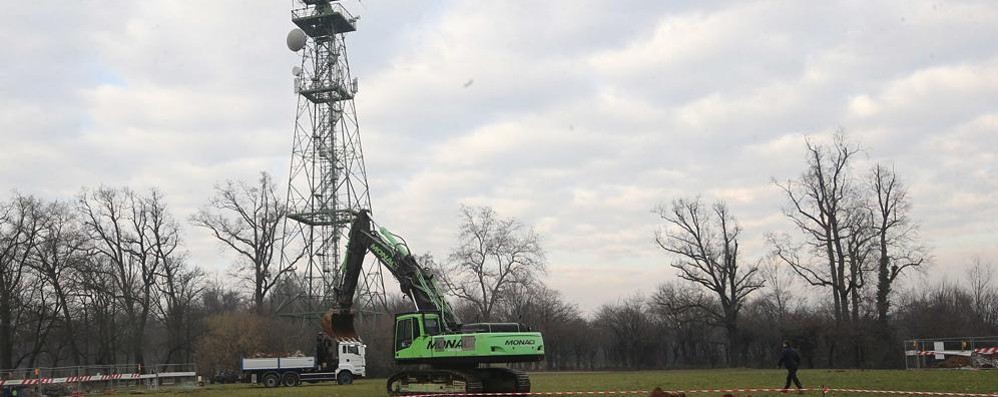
(504, 380)
(450, 382)
(437, 381)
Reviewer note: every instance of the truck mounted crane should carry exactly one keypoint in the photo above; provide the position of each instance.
(441, 354)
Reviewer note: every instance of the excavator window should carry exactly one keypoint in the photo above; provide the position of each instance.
(403, 334)
(431, 326)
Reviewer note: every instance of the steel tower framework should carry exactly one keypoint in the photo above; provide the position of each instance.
(327, 179)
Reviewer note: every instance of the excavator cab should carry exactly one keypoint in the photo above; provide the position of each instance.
(413, 332)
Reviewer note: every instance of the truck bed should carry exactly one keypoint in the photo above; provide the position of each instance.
(257, 364)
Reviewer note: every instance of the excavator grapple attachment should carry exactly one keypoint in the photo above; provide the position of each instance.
(339, 325)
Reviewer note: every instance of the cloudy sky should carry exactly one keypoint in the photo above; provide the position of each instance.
(575, 116)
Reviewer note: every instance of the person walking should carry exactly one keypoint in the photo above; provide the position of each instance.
(790, 360)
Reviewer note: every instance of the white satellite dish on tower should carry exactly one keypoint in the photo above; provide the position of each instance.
(296, 39)
(296, 71)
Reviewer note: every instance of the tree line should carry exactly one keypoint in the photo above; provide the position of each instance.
(98, 280)
(104, 278)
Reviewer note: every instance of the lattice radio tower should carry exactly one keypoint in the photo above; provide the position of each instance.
(328, 179)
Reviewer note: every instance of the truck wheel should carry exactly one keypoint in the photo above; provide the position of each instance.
(344, 378)
(291, 379)
(271, 380)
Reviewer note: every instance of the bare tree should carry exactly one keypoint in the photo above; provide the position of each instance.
(823, 206)
(20, 225)
(40, 319)
(705, 244)
(217, 297)
(179, 284)
(100, 310)
(179, 289)
(629, 332)
(895, 234)
(247, 219)
(105, 216)
(58, 260)
(679, 310)
(980, 277)
(778, 299)
(493, 254)
(132, 235)
(832, 212)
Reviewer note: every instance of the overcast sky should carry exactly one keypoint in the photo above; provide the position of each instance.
(574, 116)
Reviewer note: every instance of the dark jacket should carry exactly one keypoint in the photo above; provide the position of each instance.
(789, 358)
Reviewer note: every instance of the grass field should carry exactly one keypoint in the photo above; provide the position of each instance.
(938, 380)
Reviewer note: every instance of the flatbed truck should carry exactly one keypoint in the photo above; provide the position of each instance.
(343, 364)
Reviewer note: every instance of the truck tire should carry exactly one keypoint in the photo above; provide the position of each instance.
(291, 379)
(271, 380)
(344, 378)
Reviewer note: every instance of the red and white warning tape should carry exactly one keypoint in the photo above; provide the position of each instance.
(748, 390)
(41, 381)
(75, 379)
(913, 393)
(980, 350)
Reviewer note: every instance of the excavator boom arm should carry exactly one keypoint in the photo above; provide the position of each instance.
(416, 282)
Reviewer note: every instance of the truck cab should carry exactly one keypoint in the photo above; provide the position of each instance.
(351, 357)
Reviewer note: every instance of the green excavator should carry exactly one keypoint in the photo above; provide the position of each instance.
(445, 356)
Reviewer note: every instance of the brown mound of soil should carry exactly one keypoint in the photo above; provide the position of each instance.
(955, 362)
